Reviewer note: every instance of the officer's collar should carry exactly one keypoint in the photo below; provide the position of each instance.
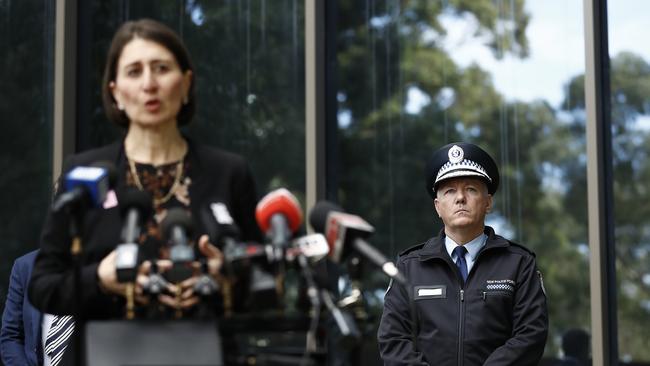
(435, 247)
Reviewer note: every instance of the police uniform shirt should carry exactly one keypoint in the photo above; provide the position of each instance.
(473, 248)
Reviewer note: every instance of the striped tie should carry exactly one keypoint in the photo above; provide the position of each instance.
(57, 337)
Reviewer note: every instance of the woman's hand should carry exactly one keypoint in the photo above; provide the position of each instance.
(188, 297)
(107, 275)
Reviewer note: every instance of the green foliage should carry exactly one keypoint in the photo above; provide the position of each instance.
(630, 87)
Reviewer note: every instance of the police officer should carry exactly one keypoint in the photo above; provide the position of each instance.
(478, 298)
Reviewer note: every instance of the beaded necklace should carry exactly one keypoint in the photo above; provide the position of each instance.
(177, 182)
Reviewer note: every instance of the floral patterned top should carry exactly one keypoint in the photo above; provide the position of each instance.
(168, 189)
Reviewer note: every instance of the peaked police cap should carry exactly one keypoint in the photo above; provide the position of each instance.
(461, 159)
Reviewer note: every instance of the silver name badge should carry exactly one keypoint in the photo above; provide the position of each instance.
(430, 292)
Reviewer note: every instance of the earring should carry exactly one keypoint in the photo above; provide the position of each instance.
(120, 107)
(185, 100)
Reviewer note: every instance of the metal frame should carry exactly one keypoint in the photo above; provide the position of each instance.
(65, 83)
(599, 186)
(315, 102)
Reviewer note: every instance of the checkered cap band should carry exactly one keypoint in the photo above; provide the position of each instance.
(462, 169)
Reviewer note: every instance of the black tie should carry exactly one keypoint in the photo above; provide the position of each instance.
(461, 263)
(57, 337)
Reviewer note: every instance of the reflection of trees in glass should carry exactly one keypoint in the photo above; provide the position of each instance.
(250, 65)
(26, 73)
(249, 60)
(630, 91)
(392, 52)
(630, 87)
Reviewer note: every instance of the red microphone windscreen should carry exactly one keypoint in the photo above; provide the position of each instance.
(279, 201)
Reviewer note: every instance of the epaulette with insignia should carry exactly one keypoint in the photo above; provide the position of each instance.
(522, 247)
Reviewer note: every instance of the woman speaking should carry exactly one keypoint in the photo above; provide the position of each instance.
(148, 90)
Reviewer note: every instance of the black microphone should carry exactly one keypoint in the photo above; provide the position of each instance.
(135, 207)
(220, 226)
(224, 233)
(346, 232)
(110, 169)
(176, 228)
(248, 261)
(86, 186)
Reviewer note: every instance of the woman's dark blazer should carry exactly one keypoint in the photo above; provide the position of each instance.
(216, 176)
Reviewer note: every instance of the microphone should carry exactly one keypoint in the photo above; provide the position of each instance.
(308, 251)
(248, 260)
(224, 233)
(345, 232)
(176, 229)
(110, 169)
(278, 214)
(219, 225)
(135, 207)
(86, 186)
(313, 247)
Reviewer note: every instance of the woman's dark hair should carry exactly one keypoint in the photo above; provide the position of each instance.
(154, 31)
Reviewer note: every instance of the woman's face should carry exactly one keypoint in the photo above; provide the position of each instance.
(149, 84)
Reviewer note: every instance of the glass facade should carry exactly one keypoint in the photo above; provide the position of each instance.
(409, 76)
(26, 106)
(630, 116)
(249, 61)
(413, 76)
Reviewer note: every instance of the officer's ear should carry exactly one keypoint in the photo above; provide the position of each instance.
(435, 205)
(489, 204)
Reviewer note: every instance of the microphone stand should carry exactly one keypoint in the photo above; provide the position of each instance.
(75, 252)
(356, 304)
(312, 293)
(355, 300)
(348, 331)
(229, 246)
(154, 287)
(207, 289)
(278, 239)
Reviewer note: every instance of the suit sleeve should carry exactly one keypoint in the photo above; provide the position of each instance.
(245, 201)
(12, 334)
(530, 322)
(395, 328)
(52, 288)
